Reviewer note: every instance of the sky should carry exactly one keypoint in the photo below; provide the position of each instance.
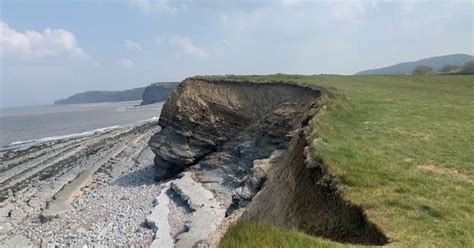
(53, 49)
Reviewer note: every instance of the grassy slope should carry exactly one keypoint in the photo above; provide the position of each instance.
(257, 235)
(402, 148)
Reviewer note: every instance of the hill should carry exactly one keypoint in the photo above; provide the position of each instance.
(103, 96)
(407, 67)
(157, 92)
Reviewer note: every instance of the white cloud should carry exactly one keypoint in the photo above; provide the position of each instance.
(132, 45)
(33, 44)
(149, 6)
(186, 46)
(126, 63)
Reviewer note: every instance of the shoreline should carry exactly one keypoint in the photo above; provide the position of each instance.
(44, 123)
(25, 144)
(93, 190)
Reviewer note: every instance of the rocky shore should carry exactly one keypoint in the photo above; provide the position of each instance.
(89, 191)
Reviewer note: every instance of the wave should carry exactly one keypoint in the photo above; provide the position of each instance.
(28, 143)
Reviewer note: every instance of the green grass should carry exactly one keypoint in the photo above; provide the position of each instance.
(401, 147)
(267, 236)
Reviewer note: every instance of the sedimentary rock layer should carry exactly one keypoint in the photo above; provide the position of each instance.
(202, 115)
(226, 134)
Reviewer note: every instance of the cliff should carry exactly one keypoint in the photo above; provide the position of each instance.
(103, 96)
(300, 194)
(153, 93)
(247, 143)
(157, 92)
(201, 116)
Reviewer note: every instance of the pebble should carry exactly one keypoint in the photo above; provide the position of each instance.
(110, 212)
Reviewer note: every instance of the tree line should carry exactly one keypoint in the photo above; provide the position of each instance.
(466, 69)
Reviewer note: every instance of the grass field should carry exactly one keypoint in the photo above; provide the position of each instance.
(401, 147)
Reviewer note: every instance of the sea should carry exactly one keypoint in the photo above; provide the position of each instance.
(32, 125)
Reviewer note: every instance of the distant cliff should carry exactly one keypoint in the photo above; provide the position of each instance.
(407, 67)
(158, 92)
(155, 92)
(103, 96)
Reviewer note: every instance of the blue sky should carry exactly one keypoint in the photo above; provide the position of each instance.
(52, 49)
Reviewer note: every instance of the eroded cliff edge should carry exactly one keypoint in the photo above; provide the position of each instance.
(227, 134)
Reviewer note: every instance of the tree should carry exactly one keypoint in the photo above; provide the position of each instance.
(422, 70)
(468, 68)
(450, 69)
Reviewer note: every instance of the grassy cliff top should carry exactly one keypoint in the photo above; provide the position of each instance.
(401, 147)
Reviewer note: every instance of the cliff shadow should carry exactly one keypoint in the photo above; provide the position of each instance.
(301, 195)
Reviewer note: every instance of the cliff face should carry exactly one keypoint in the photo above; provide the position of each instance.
(202, 116)
(103, 96)
(226, 136)
(157, 92)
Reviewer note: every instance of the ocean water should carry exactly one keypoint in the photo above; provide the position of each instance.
(42, 123)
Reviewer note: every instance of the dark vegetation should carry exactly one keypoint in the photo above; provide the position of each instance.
(466, 69)
(437, 63)
(153, 93)
(422, 70)
(158, 92)
(103, 96)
